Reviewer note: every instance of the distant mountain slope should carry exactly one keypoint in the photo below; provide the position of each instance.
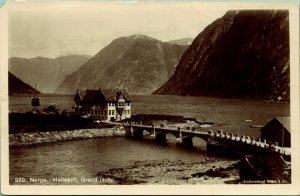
(242, 54)
(139, 63)
(183, 41)
(45, 73)
(17, 86)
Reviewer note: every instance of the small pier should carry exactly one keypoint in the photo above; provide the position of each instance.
(219, 138)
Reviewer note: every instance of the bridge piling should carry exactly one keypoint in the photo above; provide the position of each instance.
(220, 139)
(161, 137)
(187, 141)
(138, 133)
(154, 133)
(128, 131)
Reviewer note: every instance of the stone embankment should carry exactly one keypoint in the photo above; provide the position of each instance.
(21, 139)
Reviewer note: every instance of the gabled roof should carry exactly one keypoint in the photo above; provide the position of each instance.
(90, 96)
(115, 94)
(80, 94)
(51, 105)
(285, 121)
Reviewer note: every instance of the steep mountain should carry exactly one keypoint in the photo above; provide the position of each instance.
(45, 73)
(17, 86)
(183, 41)
(137, 62)
(243, 54)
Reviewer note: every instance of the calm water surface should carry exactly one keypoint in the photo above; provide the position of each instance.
(84, 158)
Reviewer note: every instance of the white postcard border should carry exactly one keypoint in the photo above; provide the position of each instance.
(278, 189)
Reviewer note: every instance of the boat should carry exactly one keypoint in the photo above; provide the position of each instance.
(256, 126)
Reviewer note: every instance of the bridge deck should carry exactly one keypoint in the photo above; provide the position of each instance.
(210, 134)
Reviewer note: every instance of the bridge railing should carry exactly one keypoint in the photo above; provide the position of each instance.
(259, 142)
(251, 141)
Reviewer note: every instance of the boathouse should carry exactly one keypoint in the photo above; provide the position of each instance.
(278, 130)
(103, 104)
(50, 109)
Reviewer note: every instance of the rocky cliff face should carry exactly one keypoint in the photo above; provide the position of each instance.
(17, 86)
(45, 73)
(243, 54)
(139, 63)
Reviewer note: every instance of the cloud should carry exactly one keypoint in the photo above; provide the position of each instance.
(52, 29)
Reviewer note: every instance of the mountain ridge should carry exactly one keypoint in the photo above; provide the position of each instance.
(137, 62)
(17, 86)
(46, 73)
(183, 41)
(242, 54)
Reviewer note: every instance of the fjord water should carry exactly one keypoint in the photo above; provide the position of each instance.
(84, 158)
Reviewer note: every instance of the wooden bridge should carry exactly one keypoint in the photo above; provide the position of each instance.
(220, 138)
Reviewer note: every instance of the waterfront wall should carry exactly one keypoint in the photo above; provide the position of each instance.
(21, 139)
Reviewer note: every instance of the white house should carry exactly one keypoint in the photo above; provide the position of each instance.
(104, 104)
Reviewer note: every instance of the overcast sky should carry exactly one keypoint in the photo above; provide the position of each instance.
(52, 28)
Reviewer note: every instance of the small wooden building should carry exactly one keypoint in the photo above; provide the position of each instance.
(278, 130)
(51, 109)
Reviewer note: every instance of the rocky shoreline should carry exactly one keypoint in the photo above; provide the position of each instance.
(30, 138)
(174, 173)
(21, 139)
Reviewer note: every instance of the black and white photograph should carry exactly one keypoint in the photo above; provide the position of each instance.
(97, 94)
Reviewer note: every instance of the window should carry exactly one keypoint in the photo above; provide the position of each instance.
(113, 112)
(109, 112)
(105, 112)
